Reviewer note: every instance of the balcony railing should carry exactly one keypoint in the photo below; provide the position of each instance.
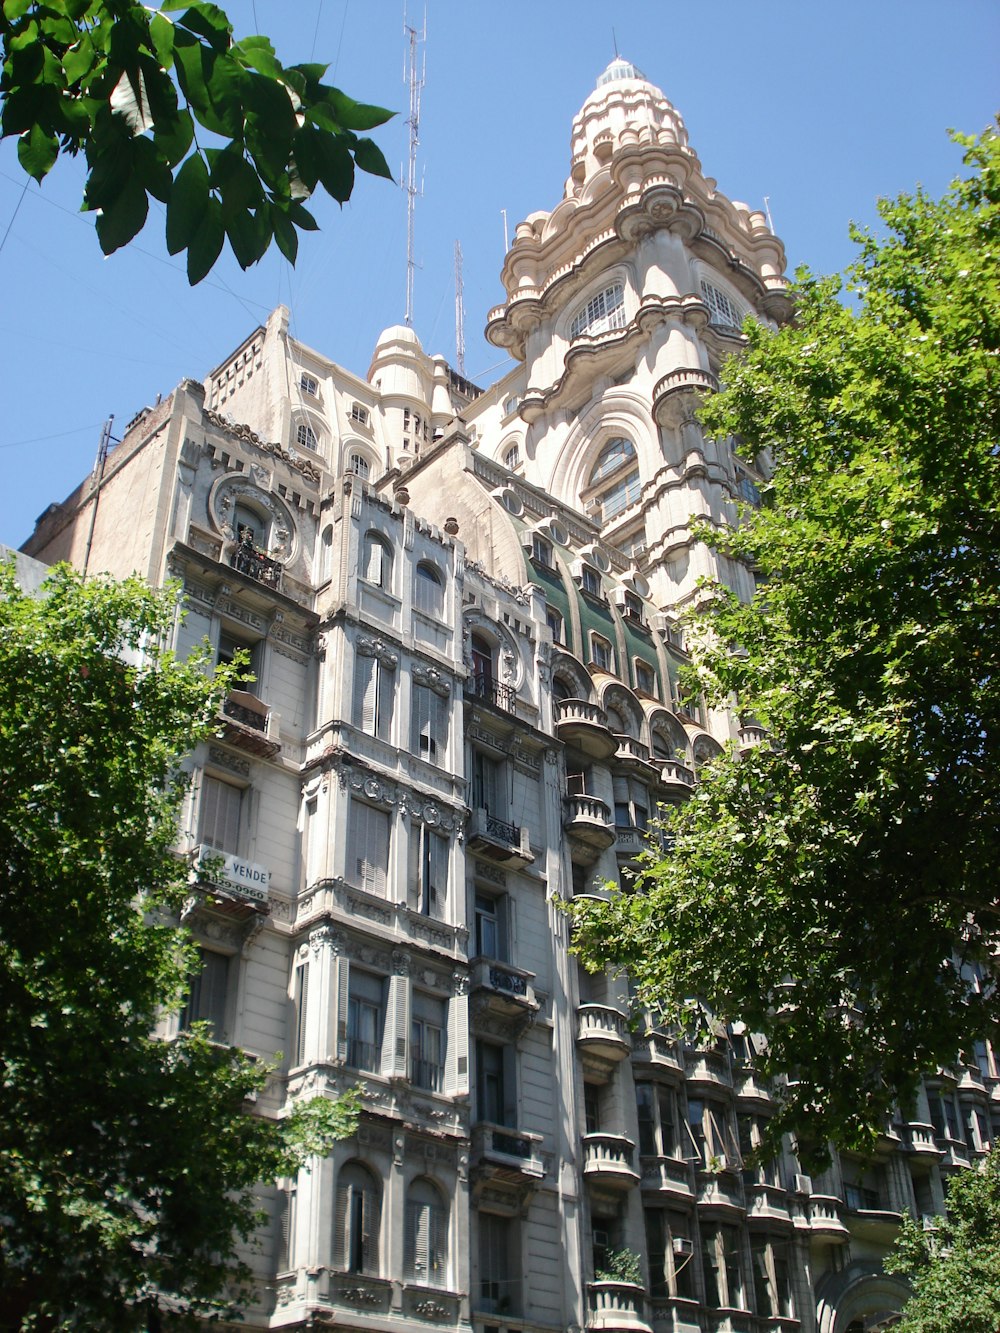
(427, 1074)
(363, 1054)
(239, 712)
(483, 686)
(499, 828)
(261, 568)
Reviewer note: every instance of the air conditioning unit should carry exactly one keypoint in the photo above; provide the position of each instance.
(682, 1247)
(803, 1185)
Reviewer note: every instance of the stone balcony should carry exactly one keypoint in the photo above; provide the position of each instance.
(584, 726)
(616, 1307)
(249, 724)
(603, 1031)
(588, 819)
(500, 1150)
(826, 1226)
(503, 990)
(633, 757)
(675, 780)
(497, 840)
(608, 1161)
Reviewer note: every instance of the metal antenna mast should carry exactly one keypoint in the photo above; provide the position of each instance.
(459, 312)
(416, 82)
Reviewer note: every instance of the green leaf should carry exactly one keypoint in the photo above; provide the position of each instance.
(353, 115)
(284, 233)
(15, 9)
(175, 137)
(208, 21)
(37, 152)
(119, 222)
(258, 53)
(79, 60)
(369, 158)
(336, 168)
(161, 32)
(249, 234)
(187, 204)
(206, 244)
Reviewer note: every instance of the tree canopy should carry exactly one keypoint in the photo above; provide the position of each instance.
(835, 888)
(128, 1164)
(954, 1268)
(165, 104)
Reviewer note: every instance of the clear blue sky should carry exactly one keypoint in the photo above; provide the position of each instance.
(822, 107)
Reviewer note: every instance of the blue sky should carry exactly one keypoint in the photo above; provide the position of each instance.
(821, 107)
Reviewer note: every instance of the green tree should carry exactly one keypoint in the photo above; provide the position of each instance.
(954, 1269)
(128, 1165)
(133, 88)
(836, 887)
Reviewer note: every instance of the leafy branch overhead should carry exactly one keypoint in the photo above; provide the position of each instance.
(164, 103)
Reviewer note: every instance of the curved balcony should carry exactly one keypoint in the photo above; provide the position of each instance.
(920, 1140)
(584, 726)
(633, 757)
(608, 1161)
(630, 842)
(676, 780)
(751, 736)
(616, 1307)
(825, 1222)
(668, 1175)
(657, 1048)
(603, 1031)
(708, 1067)
(588, 819)
(673, 394)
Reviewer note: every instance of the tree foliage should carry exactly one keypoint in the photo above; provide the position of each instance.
(836, 887)
(954, 1269)
(127, 1164)
(165, 104)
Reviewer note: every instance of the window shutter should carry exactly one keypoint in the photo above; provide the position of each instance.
(365, 691)
(375, 562)
(394, 1050)
(340, 1226)
(385, 698)
(219, 822)
(438, 872)
(301, 1011)
(343, 983)
(369, 1231)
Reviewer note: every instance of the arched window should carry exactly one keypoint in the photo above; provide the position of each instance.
(482, 662)
(721, 310)
(377, 567)
(562, 689)
(614, 455)
(426, 1241)
(605, 310)
(625, 488)
(359, 465)
(357, 1219)
(306, 437)
(512, 458)
(249, 526)
(326, 555)
(428, 590)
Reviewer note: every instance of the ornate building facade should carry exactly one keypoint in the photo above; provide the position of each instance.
(460, 611)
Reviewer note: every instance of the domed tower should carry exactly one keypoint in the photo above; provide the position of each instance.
(622, 303)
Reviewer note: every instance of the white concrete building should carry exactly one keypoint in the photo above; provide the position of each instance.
(460, 611)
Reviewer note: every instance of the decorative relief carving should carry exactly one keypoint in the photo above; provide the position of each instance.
(400, 963)
(241, 613)
(241, 431)
(377, 648)
(223, 759)
(324, 936)
(460, 983)
(222, 504)
(432, 678)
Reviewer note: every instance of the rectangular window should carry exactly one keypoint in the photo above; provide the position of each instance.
(555, 623)
(219, 814)
(429, 869)
(645, 678)
(721, 1263)
(359, 414)
(488, 787)
(499, 1289)
(750, 1129)
(368, 848)
(590, 581)
(541, 551)
(207, 994)
(428, 1037)
(671, 1254)
(430, 724)
(495, 1093)
(365, 1020)
(374, 697)
(710, 1135)
(771, 1281)
(491, 927)
(308, 385)
(601, 653)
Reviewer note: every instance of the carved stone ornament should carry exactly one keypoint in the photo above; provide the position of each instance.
(232, 489)
(433, 679)
(241, 431)
(325, 937)
(400, 963)
(460, 983)
(377, 648)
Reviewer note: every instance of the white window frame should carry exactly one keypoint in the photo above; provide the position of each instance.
(308, 385)
(602, 311)
(306, 436)
(602, 652)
